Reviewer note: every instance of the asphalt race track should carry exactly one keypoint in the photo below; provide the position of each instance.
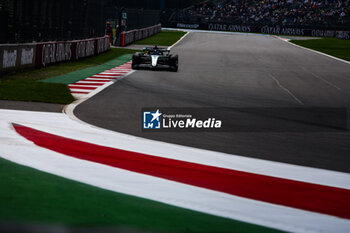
(220, 70)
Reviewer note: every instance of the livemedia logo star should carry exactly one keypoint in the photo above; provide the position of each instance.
(152, 119)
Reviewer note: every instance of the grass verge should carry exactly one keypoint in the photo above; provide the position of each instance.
(31, 90)
(43, 198)
(23, 86)
(78, 75)
(332, 46)
(164, 38)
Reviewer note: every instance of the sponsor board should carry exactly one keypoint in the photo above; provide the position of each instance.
(129, 37)
(343, 35)
(228, 27)
(54, 52)
(27, 56)
(9, 58)
(266, 29)
(14, 57)
(17, 56)
(189, 26)
(282, 30)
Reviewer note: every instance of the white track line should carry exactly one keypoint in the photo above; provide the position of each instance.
(170, 47)
(80, 85)
(121, 70)
(104, 76)
(286, 89)
(259, 34)
(87, 81)
(315, 51)
(96, 79)
(114, 73)
(325, 81)
(77, 95)
(80, 90)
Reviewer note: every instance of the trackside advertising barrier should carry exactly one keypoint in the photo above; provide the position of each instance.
(19, 56)
(278, 30)
(54, 52)
(129, 37)
(14, 56)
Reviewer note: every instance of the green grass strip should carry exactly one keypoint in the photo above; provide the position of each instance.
(24, 86)
(75, 76)
(332, 46)
(28, 195)
(33, 91)
(68, 67)
(163, 38)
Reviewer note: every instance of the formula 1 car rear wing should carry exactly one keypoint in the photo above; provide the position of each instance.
(156, 49)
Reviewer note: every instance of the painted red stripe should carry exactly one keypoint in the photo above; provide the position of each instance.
(110, 74)
(110, 77)
(89, 84)
(103, 76)
(126, 64)
(302, 195)
(118, 71)
(81, 87)
(96, 80)
(121, 70)
(79, 92)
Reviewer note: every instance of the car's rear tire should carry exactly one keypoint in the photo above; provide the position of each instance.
(174, 62)
(137, 54)
(136, 59)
